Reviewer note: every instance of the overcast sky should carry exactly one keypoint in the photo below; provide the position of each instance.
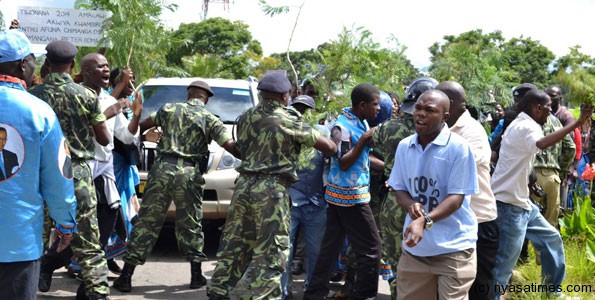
(558, 25)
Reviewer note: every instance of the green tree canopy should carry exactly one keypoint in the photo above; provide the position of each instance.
(215, 39)
(135, 36)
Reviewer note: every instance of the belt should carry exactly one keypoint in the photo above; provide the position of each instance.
(172, 159)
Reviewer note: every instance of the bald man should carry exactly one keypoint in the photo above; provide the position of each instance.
(483, 203)
(434, 183)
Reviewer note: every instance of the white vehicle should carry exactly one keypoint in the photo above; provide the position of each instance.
(231, 99)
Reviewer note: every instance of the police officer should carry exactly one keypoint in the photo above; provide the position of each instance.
(387, 136)
(188, 128)
(37, 178)
(81, 119)
(255, 242)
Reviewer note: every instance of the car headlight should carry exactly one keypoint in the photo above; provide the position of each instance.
(228, 161)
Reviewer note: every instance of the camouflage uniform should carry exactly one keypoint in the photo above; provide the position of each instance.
(387, 137)
(255, 243)
(78, 109)
(188, 129)
(548, 165)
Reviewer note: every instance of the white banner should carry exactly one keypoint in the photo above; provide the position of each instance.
(81, 27)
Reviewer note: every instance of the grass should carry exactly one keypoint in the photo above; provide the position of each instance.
(579, 271)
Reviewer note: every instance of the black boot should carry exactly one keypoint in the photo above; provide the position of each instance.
(124, 282)
(197, 280)
(80, 294)
(113, 266)
(45, 278)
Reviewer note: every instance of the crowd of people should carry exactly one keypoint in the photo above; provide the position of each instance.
(418, 192)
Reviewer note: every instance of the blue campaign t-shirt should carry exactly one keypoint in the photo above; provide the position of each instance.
(446, 166)
(349, 187)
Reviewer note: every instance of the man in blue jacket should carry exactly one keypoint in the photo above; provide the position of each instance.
(36, 138)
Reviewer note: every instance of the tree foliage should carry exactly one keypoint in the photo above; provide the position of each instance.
(352, 58)
(488, 65)
(135, 36)
(215, 39)
(528, 59)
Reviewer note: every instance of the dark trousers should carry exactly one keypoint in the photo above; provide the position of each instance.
(487, 248)
(18, 280)
(358, 223)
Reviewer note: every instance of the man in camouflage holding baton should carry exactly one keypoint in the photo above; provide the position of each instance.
(188, 129)
(255, 243)
(81, 119)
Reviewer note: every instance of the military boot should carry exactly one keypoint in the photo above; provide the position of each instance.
(80, 294)
(197, 280)
(124, 282)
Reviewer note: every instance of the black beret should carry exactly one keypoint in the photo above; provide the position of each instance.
(522, 89)
(202, 85)
(274, 82)
(61, 51)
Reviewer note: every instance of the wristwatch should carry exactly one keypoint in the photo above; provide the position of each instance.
(429, 221)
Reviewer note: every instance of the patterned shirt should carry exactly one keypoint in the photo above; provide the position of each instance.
(389, 134)
(188, 129)
(77, 109)
(559, 156)
(270, 138)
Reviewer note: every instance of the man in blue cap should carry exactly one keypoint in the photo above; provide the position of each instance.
(255, 241)
(30, 125)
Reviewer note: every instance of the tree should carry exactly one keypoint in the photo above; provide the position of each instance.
(355, 57)
(135, 36)
(488, 66)
(528, 59)
(230, 42)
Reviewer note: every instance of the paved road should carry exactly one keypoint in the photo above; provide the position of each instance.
(165, 275)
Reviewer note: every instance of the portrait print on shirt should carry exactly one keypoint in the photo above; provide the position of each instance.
(12, 152)
(64, 160)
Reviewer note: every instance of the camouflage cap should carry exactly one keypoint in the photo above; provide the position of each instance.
(275, 82)
(202, 85)
(61, 52)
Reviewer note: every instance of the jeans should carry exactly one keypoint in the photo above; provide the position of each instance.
(311, 220)
(514, 224)
(357, 222)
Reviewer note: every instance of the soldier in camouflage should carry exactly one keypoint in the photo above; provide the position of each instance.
(188, 129)
(387, 137)
(254, 246)
(81, 119)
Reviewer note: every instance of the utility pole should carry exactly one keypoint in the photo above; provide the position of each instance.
(205, 6)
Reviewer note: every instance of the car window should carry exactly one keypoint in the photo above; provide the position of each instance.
(228, 103)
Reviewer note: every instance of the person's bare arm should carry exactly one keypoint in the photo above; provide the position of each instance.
(376, 163)
(326, 146)
(146, 124)
(125, 75)
(101, 133)
(556, 136)
(353, 154)
(231, 147)
(136, 107)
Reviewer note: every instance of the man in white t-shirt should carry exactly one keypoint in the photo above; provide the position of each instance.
(518, 218)
(434, 181)
(483, 204)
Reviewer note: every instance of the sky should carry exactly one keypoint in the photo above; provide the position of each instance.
(558, 25)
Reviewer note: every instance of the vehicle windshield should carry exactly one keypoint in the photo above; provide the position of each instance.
(228, 103)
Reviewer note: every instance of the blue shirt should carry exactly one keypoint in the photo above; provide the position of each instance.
(352, 186)
(310, 188)
(446, 166)
(35, 136)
